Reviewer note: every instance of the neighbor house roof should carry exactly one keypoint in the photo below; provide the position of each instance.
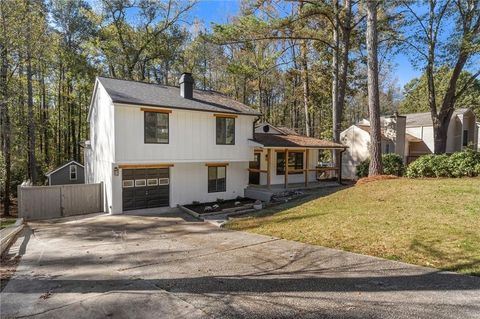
(425, 119)
(148, 94)
(63, 166)
(368, 130)
(293, 140)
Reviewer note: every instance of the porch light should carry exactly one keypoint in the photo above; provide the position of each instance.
(116, 171)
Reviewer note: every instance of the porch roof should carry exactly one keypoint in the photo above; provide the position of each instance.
(291, 140)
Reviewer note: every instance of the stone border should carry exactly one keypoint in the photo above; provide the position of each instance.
(8, 235)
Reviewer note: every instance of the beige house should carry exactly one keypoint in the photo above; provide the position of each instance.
(409, 135)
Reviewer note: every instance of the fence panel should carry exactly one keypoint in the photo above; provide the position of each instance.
(43, 202)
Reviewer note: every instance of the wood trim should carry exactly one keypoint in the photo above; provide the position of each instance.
(286, 168)
(269, 166)
(320, 169)
(145, 165)
(232, 116)
(290, 151)
(305, 171)
(255, 170)
(216, 164)
(144, 109)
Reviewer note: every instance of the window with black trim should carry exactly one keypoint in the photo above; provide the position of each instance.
(156, 127)
(295, 162)
(73, 172)
(465, 137)
(225, 130)
(217, 179)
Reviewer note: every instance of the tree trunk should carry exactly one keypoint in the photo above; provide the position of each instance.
(32, 165)
(335, 72)
(5, 123)
(373, 91)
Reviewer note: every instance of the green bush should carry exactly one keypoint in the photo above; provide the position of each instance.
(459, 164)
(392, 165)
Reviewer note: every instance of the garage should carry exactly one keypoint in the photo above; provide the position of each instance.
(145, 188)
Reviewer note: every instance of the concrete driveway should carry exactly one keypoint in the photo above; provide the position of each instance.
(172, 267)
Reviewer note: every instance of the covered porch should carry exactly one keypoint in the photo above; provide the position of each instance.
(290, 161)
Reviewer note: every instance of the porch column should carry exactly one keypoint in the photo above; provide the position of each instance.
(269, 166)
(340, 152)
(286, 167)
(305, 169)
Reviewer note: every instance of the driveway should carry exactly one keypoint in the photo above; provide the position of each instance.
(170, 266)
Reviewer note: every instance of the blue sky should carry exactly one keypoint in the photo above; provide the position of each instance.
(219, 11)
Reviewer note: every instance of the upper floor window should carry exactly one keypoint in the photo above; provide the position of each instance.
(73, 172)
(156, 127)
(465, 137)
(225, 130)
(295, 163)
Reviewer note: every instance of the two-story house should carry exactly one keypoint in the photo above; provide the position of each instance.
(153, 145)
(409, 135)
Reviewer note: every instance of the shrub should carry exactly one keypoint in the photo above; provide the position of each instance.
(392, 165)
(465, 163)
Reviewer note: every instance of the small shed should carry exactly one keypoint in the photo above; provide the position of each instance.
(69, 173)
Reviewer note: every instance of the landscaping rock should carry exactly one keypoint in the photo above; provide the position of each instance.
(208, 209)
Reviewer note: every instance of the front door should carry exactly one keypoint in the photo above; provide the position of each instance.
(145, 188)
(254, 177)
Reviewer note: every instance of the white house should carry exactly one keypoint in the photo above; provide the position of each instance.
(409, 135)
(155, 145)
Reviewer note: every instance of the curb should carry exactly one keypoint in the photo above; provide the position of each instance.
(9, 234)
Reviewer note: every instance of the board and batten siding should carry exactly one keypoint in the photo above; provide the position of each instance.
(192, 138)
(62, 176)
(99, 159)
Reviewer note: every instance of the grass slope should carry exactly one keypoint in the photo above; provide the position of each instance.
(429, 222)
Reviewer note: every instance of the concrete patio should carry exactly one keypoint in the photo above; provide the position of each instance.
(172, 266)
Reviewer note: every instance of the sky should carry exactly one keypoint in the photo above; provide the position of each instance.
(219, 11)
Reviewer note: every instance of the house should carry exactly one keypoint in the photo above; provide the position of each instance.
(409, 135)
(69, 173)
(155, 145)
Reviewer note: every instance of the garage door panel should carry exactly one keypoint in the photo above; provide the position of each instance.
(147, 191)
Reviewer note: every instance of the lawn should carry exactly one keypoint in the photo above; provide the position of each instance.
(429, 222)
(5, 222)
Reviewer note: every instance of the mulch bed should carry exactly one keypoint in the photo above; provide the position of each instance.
(200, 208)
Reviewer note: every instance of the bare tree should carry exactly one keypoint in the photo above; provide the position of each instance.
(373, 91)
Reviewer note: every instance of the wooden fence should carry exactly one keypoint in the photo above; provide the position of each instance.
(43, 202)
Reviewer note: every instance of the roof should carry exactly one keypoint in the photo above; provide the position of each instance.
(287, 130)
(368, 130)
(63, 166)
(425, 119)
(148, 94)
(293, 140)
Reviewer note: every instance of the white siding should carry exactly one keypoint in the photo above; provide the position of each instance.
(99, 162)
(191, 138)
(358, 142)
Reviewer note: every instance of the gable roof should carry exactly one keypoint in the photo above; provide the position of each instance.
(293, 140)
(367, 129)
(63, 166)
(148, 94)
(425, 119)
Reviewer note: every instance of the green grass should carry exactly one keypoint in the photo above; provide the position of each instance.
(5, 222)
(429, 222)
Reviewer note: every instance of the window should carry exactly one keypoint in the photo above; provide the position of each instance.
(156, 127)
(163, 181)
(152, 182)
(128, 183)
(140, 183)
(225, 130)
(465, 138)
(73, 172)
(217, 179)
(295, 162)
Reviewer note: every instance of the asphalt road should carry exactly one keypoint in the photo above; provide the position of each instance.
(170, 266)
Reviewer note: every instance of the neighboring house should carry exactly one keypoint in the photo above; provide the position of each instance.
(155, 145)
(409, 135)
(69, 173)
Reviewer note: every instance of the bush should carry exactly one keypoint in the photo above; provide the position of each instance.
(392, 165)
(459, 164)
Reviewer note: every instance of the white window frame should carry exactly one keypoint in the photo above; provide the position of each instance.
(128, 183)
(163, 181)
(153, 180)
(74, 172)
(140, 180)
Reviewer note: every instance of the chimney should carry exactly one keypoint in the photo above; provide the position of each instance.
(186, 85)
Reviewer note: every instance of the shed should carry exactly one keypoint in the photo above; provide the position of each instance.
(69, 173)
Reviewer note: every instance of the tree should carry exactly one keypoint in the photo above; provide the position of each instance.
(416, 92)
(375, 167)
(451, 26)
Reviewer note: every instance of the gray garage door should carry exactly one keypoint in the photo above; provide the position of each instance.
(145, 188)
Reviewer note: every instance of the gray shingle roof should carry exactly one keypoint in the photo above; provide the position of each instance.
(425, 119)
(140, 93)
